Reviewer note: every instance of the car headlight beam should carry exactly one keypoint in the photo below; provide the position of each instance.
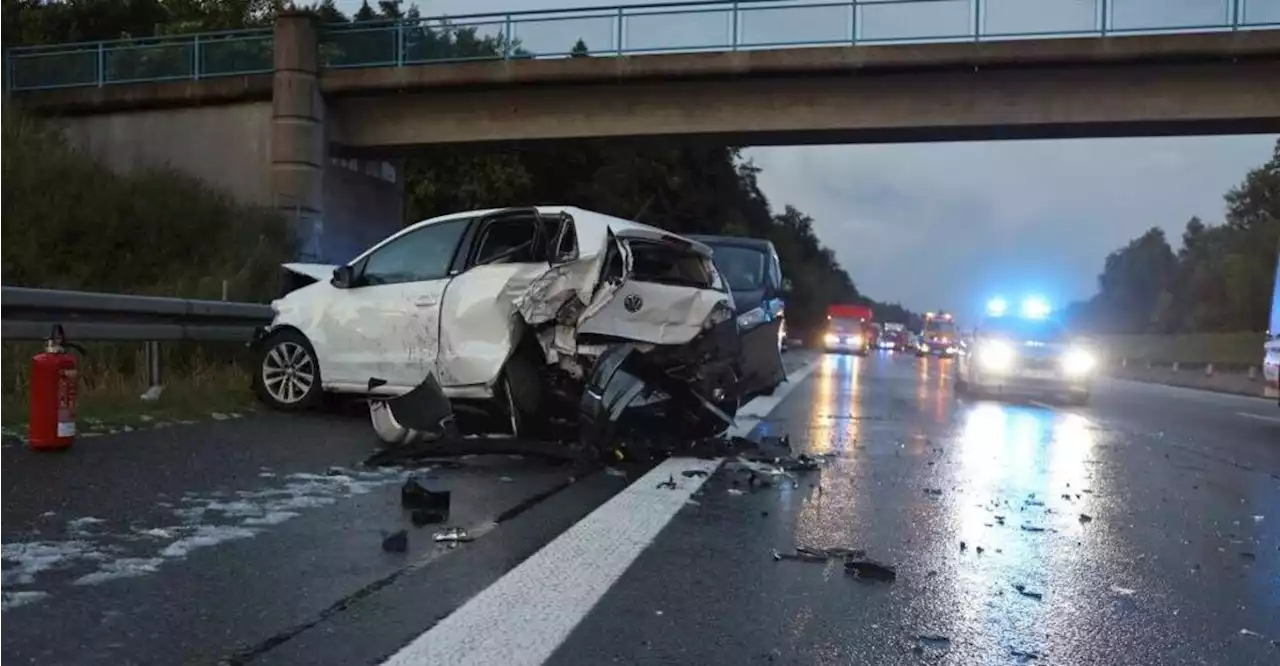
(996, 355)
(1078, 362)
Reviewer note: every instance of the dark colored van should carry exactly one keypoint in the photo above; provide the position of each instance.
(751, 269)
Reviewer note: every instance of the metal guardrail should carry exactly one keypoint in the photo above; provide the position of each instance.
(29, 314)
(628, 30)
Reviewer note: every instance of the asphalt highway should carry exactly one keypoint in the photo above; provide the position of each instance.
(1143, 528)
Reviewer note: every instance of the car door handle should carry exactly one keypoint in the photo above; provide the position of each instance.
(425, 302)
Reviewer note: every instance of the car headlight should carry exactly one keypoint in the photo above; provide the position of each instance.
(855, 339)
(752, 319)
(996, 355)
(831, 338)
(1078, 361)
(719, 314)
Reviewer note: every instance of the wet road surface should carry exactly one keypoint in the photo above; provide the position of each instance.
(235, 542)
(1147, 523)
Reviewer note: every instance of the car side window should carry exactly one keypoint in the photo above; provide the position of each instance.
(775, 271)
(423, 254)
(501, 236)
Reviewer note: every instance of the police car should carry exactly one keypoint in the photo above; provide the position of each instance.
(1027, 353)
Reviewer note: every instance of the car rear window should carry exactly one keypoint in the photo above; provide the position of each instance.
(665, 264)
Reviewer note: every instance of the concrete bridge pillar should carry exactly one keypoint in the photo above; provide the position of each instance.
(298, 137)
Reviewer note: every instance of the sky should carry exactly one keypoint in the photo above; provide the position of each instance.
(947, 225)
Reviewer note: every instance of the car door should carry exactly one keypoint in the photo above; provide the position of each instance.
(761, 362)
(386, 323)
(510, 250)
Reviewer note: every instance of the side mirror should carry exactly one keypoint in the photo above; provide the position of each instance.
(343, 277)
(786, 286)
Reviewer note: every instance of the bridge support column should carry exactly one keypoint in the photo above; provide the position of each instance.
(298, 137)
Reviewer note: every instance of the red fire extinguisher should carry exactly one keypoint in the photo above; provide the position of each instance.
(53, 394)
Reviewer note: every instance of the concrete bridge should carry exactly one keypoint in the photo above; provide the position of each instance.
(324, 142)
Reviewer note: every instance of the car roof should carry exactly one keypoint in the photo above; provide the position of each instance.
(737, 241)
(591, 226)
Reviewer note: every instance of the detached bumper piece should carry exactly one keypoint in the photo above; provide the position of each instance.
(421, 415)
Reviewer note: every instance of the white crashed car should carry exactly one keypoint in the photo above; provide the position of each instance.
(507, 312)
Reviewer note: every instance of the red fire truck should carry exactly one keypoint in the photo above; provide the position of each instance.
(848, 329)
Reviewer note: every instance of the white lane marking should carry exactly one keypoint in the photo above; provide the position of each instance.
(1042, 405)
(525, 616)
(759, 408)
(1260, 417)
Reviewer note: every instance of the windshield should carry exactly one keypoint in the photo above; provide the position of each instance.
(1042, 330)
(741, 267)
(845, 325)
(940, 327)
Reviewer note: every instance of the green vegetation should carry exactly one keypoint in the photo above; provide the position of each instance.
(1224, 350)
(71, 223)
(1219, 281)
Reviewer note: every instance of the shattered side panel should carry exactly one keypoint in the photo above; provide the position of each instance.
(656, 313)
(477, 321)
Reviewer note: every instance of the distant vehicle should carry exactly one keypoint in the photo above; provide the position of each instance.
(508, 314)
(848, 329)
(894, 337)
(939, 336)
(1029, 353)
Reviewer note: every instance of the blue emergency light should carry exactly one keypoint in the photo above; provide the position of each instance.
(1035, 308)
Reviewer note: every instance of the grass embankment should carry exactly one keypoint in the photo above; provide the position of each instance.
(1224, 350)
(72, 223)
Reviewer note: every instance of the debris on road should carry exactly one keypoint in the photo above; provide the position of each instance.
(936, 492)
(1248, 632)
(1023, 655)
(416, 497)
(693, 473)
(799, 556)
(1022, 589)
(1248, 556)
(1032, 528)
(979, 549)
(669, 484)
(421, 517)
(870, 570)
(1122, 591)
(397, 542)
(1085, 518)
(452, 535)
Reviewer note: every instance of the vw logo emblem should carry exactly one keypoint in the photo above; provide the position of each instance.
(633, 303)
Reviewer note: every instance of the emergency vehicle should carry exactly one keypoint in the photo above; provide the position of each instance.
(848, 329)
(1027, 353)
(939, 337)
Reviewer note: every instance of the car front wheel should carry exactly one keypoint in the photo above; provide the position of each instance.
(288, 375)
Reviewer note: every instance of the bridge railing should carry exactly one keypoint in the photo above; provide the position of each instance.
(144, 59)
(627, 30)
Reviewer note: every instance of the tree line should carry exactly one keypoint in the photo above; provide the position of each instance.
(684, 187)
(1220, 279)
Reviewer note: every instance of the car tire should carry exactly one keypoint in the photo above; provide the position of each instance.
(522, 383)
(287, 374)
